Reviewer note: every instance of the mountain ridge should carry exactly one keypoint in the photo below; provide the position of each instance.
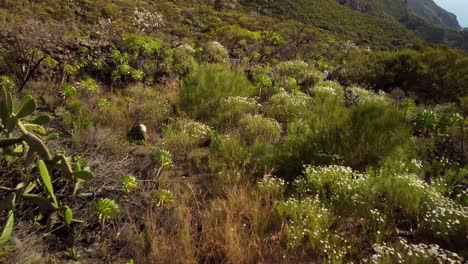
(429, 10)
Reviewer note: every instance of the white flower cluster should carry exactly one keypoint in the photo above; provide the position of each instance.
(216, 45)
(285, 107)
(146, 21)
(340, 175)
(369, 96)
(215, 52)
(286, 67)
(272, 186)
(196, 131)
(106, 28)
(348, 45)
(405, 252)
(377, 216)
(417, 163)
(239, 101)
(195, 128)
(186, 48)
(307, 218)
(441, 214)
(325, 89)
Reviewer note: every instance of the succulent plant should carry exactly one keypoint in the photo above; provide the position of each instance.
(105, 208)
(128, 183)
(163, 197)
(163, 159)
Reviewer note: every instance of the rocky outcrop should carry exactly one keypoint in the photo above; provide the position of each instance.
(363, 6)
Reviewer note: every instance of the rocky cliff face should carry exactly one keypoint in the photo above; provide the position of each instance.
(430, 11)
(364, 6)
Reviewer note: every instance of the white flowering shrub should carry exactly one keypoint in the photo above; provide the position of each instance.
(386, 200)
(303, 74)
(328, 88)
(214, 52)
(439, 215)
(146, 21)
(369, 96)
(272, 187)
(258, 127)
(233, 108)
(307, 224)
(182, 135)
(286, 107)
(106, 29)
(406, 252)
(336, 184)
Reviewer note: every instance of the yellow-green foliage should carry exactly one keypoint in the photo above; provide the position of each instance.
(202, 91)
(258, 127)
(233, 108)
(286, 107)
(182, 135)
(298, 72)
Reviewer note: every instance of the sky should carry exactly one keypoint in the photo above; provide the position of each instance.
(458, 7)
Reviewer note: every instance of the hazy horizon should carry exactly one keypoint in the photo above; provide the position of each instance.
(458, 7)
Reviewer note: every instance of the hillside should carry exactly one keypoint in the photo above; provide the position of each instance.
(225, 131)
(430, 11)
(331, 16)
(423, 17)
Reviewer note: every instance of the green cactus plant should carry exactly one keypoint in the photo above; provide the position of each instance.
(22, 135)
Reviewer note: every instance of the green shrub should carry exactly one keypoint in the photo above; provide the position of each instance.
(287, 108)
(183, 135)
(432, 74)
(298, 72)
(374, 130)
(202, 91)
(229, 151)
(214, 52)
(183, 60)
(306, 222)
(147, 106)
(233, 108)
(142, 45)
(258, 127)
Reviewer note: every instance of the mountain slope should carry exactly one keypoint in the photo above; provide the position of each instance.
(423, 17)
(429, 10)
(331, 16)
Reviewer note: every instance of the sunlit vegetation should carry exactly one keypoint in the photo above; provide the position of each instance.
(266, 140)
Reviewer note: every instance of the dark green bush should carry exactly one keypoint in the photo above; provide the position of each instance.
(374, 130)
(432, 74)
